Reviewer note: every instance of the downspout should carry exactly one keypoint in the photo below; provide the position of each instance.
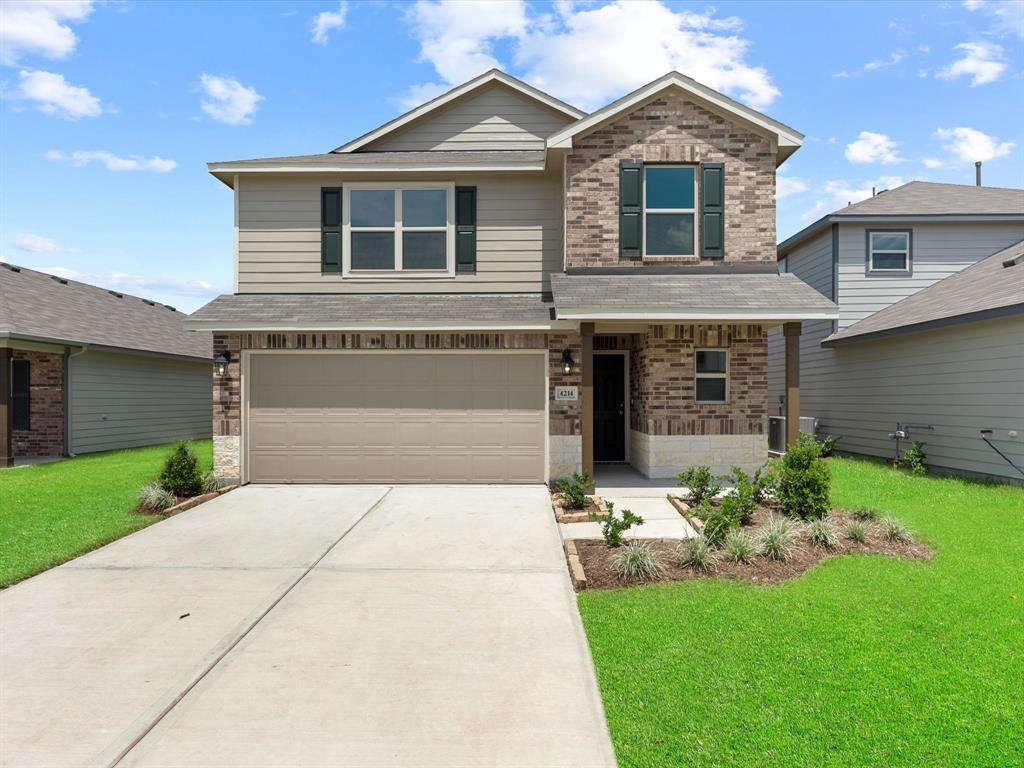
(68, 355)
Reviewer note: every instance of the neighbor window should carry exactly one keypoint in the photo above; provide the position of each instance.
(712, 376)
(21, 393)
(888, 251)
(394, 229)
(670, 204)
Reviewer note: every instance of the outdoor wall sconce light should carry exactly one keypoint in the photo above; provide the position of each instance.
(566, 361)
(220, 364)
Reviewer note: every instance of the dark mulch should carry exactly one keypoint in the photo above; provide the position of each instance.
(596, 557)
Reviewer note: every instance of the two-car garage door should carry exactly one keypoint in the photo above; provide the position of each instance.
(396, 417)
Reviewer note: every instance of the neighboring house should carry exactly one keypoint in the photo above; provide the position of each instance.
(497, 287)
(85, 369)
(923, 337)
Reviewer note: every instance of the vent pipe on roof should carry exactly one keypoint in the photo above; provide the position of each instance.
(872, 191)
(977, 174)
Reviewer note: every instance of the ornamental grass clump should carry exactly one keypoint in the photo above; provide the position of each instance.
(181, 474)
(895, 531)
(803, 480)
(696, 554)
(823, 533)
(155, 498)
(741, 547)
(637, 561)
(210, 482)
(778, 540)
(864, 514)
(857, 531)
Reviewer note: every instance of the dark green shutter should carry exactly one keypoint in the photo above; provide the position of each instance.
(330, 229)
(465, 229)
(631, 209)
(712, 210)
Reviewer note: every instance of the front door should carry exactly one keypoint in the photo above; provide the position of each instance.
(609, 407)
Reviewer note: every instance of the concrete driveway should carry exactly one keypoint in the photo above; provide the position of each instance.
(309, 626)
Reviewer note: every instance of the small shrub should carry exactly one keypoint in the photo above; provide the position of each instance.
(574, 490)
(857, 531)
(864, 514)
(210, 482)
(181, 475)
(637, 561)
(703, 511)
(613, 527)
(914, 458)
(894, 530)
(778, 540)
(758, 487)
(823, 533)
(827, 446)
(740, 547)
(695, 553)
(717, 526)
(701, 484)
(152, 496)
(803, 481)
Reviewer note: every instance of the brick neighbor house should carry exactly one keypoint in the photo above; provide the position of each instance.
(86, 369)
(498, 287)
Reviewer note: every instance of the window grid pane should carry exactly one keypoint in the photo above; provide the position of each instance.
(711, 389)
(424, 208)
(711, 361)
(670, 188)
(373, 207)
(373, 250)
(424, 250)
(670, 234)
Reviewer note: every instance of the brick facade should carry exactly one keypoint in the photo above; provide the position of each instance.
(669, 129)
(46, 406)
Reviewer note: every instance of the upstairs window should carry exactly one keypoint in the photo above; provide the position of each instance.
(670, 210)
(398, 229)
(889, 251)
(712, 375)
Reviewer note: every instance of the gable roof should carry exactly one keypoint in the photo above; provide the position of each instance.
(925, 199)
(789, 139)
(993, 287)
(35, 306)
(491, 76)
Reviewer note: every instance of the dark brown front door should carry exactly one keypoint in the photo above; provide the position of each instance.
(609, 407)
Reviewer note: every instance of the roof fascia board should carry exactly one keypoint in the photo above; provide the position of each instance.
(16, 337)
(942, 322)
(599, 313)
(376, 168)
(330, 327)
(491, 76)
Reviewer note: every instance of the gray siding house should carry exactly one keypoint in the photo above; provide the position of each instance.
(86, 369)
(945, 360)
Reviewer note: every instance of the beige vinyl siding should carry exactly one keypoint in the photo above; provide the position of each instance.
(127, 400)
(495, 117)
(940, 249)
(519, 235)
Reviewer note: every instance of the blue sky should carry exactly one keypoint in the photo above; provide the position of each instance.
(110, 110)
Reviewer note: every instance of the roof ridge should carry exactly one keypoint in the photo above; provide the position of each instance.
(70, 280)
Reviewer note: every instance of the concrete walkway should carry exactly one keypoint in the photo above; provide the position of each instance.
(309, 626)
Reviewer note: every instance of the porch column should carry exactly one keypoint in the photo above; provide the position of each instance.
(6, 414)
(792, 333)
(587, 398)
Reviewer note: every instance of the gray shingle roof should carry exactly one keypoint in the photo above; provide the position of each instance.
(35, 305)
(770, 293)
(983, 290)
(332, 310)
(398, 160)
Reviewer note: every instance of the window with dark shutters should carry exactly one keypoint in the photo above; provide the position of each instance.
(330, 229)
(21, 397)
(631, 201)
(465, 229)
(712, 210)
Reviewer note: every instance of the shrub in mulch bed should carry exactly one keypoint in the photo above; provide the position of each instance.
(602, 571)
(180, 480)
(567, 514)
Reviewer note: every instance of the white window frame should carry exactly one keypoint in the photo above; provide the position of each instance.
(397, 272)
(872, 250)
(697, 375)
(693, 211)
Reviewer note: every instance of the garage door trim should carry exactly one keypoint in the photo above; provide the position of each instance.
(246, 379)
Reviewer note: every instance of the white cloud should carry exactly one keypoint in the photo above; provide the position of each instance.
(38, 244)
(786, 186)
(39, 26)
(80, 159)
(578, 53)
(328, 20)
(932, 162)
(983, 62)
(1007, 15)
(894, 58)
(53, 95)
(838, 193)
(873, 148)
(227, 100)
(970, 144)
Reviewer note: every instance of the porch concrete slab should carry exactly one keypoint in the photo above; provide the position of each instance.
(622, 480)
(399, 668)
(251, 527)
(455, 527)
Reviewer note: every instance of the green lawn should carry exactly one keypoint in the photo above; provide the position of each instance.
(50, 513)
(863, 661)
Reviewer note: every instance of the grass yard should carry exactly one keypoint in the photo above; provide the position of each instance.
(863, 661)
(51, 513)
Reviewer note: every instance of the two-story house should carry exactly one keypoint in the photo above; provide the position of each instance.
(498, 287)
(930, 335)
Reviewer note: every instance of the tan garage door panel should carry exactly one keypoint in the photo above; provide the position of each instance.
(382, 417)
